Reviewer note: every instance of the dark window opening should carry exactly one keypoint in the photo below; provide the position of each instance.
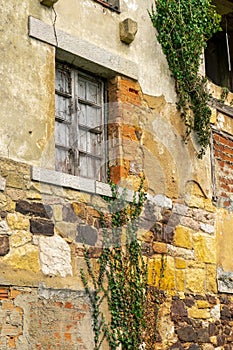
(219, 55)
(111, 4)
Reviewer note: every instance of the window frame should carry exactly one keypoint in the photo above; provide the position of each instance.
(95, 135)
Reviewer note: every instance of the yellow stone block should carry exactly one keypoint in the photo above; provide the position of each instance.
(180, 280)
(205, 248)
(208, 205)
(57, 212)
(198, 313)
(26, 257)
(183, 237)
(159, 247)
(17, 221)
(211, 278)
(194, 196)
(195, 265)
(19, 238)
(195, 280)
(167, 281)
(213, 340)
(154, 271)
(33, 195)
(180, 263)
(213, 117)
(202, 304)
(161, 273)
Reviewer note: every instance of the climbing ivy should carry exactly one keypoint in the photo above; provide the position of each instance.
(121, 275)
(184, 26)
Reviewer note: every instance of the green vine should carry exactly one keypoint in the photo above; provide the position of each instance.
(121, 276)
(184, 26)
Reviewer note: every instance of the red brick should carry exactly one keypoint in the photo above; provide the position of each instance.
(68, 336)
(68, 305)
(4, 293)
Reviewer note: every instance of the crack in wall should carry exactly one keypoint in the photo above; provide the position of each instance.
(54, 25)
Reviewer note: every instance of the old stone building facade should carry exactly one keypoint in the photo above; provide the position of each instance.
(86, 93)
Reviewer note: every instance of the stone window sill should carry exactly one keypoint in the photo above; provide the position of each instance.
(78, 183)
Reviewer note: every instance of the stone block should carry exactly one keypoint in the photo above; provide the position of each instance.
(187, 334)
(25, 257)
(128, 30)
(19, 238)
(183, 237)
(41, 226)
(87, 234)
(68, 214)
(178, 310)
(159, 247)
(17, 221)
(4, 228)
(225, 281)
(195, 280)
(34, 209)
(211, 278)
(154, 271)
(59, 262)
(66, 229)
(198, 313)
(57, 212)
(205, 248)
(202, 304)
(167, 274)
(180, 280)
(180, 263)
(80, 209)
(180, 252)
(4, 245)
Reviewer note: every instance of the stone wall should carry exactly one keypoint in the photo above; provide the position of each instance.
(43, 303)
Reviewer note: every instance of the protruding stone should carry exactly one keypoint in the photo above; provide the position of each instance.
(48, 3)
(128, 30)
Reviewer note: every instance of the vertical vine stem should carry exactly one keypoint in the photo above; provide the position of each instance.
(121, 276)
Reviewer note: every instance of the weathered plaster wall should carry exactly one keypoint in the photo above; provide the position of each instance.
(88, 20)
(27, 74)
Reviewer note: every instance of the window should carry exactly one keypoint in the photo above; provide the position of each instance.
(112, 4)
(79, 124)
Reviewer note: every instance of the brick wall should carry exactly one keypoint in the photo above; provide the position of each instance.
(44, 319)
(223, 153)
